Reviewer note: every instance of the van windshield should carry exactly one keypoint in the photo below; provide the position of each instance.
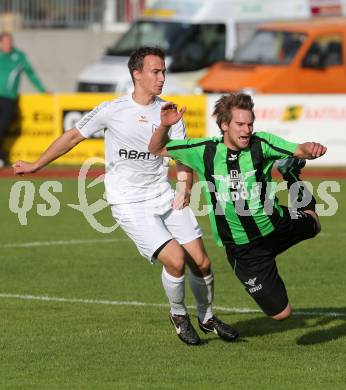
(148, 33)
(190, 46)
(270, 47)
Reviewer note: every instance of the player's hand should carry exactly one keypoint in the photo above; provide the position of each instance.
(181, 200)
(170, 114)
(310, 150)
(317, 150)
(182, 196)
(23, 167)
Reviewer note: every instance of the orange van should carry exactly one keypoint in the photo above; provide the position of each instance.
(289, 57)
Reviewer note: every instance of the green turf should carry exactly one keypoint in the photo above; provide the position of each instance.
(76, 345)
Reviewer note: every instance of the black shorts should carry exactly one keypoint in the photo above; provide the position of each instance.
(254, 263)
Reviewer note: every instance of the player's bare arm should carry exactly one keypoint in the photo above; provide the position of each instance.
(59, 147)
(183, 186)
(169, 117)
(310, 150)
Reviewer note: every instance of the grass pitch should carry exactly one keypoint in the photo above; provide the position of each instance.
(69, 317)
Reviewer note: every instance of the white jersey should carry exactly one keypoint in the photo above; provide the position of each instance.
(132, 173)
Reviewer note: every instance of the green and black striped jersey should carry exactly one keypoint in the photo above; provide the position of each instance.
(237, 185)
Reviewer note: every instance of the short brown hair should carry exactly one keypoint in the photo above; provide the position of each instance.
(223, 107)
(136, 59)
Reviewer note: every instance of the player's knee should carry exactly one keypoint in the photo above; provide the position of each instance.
(176, 266)
(317, 221)
(205, 266)
(172, 256)
(318, 227)
(197, 259)
(284, 314)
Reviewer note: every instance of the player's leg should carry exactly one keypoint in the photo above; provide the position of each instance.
(255, 265)
(153, 241)
(276, 303)
(173, 256)
(292, 231)
(184, 227)
(284, 314)
(296, 230)
(316, 218)
(301, 197)
(257, 271)
(198, 260)
(201, 278)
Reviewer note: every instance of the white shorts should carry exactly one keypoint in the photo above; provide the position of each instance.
(153, 222)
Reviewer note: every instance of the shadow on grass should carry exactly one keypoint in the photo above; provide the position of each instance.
(319, 325)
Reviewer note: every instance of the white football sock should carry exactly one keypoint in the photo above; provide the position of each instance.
(203, 291)
(175, 291)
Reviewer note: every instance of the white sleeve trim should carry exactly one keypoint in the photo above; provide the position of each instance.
(82, 124)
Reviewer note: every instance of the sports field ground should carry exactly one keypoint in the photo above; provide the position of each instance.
(80, 309)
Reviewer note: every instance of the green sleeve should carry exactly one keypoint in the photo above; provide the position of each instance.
(28, 69)
(275, 147)
(188, 152)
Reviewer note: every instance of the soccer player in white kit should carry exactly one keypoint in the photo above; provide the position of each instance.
(140, 196)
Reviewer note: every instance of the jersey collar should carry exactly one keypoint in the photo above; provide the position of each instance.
(146, 106)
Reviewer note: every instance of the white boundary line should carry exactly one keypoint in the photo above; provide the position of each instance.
(102, 240)
(70, 242)
(61, 242)
(238, 310)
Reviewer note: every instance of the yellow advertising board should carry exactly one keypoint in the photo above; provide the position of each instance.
(35, 128)
(45, 117)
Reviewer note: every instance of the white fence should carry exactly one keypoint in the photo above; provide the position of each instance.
(38, 14)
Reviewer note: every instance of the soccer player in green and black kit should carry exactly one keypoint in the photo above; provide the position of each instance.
(247, 218)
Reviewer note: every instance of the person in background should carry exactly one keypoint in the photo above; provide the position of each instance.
(13, 62)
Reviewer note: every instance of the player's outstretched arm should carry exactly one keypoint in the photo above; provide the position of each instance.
(169, 116)
(59, 147)
(310, 150)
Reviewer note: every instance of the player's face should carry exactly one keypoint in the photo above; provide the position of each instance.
(238, 131)
(152, 76)
(6, 43)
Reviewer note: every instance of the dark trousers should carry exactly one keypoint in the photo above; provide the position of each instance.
(8, 113)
